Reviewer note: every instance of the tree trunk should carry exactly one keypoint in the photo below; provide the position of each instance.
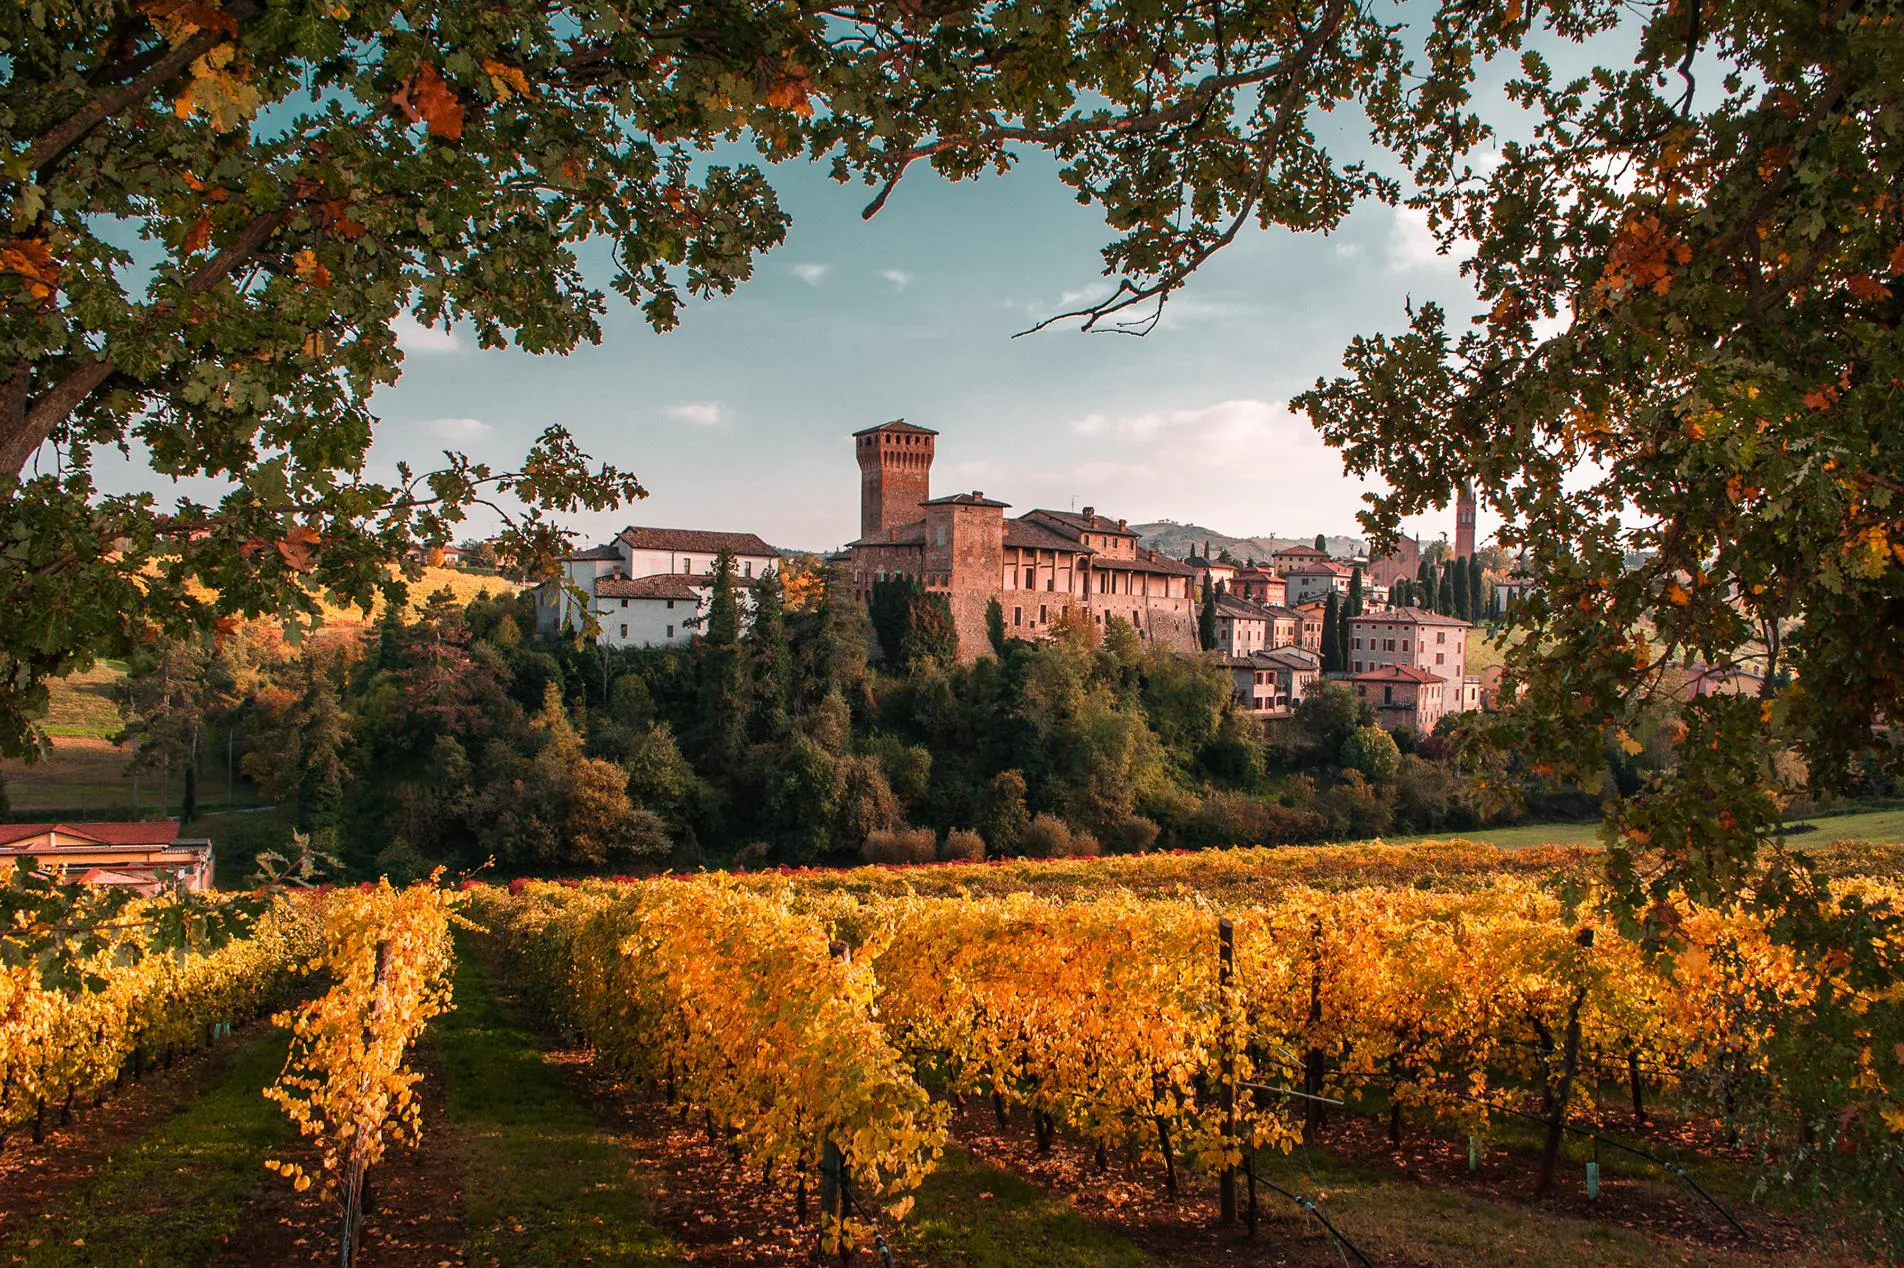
(1558, 1092)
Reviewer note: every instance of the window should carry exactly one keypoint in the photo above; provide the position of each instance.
(670, 631)
(1031, 578)
(1389, 645)
(1358, 643)
(1018, 616)
(1358, 666)
(687, 565)
(1044, 616)
(1441, 636)
(747, 568)
(941, 534)
(624, 631)
(1388, 695)
(1051, 582)
(1439, 658)
(624, 603)
(670, 605)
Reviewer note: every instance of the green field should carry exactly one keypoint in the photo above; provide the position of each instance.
(1858, 825)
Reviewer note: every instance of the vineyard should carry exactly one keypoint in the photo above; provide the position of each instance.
(1191, 1058)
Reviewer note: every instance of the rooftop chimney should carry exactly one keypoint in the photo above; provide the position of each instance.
(1090, 516)
(1120, 526)
(978, 495)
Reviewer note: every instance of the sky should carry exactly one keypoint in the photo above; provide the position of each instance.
(740, 419)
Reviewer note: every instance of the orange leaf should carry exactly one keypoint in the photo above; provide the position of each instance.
(790, 91)
(1514, 10)
(310, 269)
(505, 78)
(1897, 260)
(177, 19)
(199, 234)
(297, 547)
(1868, 289)
(430, 99)
(33, 260)
(1678, 595)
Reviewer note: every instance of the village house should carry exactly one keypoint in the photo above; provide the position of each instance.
(649, 587)
(147, 858)
(1259, 585)
(1422, 645)
(1315, 579)
(1037, 565)
(1272, 682)
(1311, 614)
(1204, 565)
(1296, 556)
(1404, 697)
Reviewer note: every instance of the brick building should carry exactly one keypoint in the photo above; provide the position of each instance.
(1036, 565)
(147, 858)
(1412, 663)
(1271, 682)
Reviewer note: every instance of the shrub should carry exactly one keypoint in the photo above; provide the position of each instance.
(752, 855)
(962, 845)
(1133, 834)
(899, 845)
(1084, 845)
(1045, 837)
(1372, 751)
(1232, 818)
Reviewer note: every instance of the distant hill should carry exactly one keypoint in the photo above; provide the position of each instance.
(1178, 540)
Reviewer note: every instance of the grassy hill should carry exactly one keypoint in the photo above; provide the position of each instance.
(1178, 540)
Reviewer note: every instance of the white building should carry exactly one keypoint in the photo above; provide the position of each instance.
(650, 587)
(1314, 580)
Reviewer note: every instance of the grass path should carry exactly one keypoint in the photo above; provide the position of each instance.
(545, 1181)
(171, 1197)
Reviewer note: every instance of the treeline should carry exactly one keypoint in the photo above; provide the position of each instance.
(789, 737)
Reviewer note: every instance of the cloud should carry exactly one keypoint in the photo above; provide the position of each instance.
(700, 413)
(462, 430)
(1225, 432)
(413, 336)
(1347, 250)
(898, 277)
(812, 274)
(1412, 244)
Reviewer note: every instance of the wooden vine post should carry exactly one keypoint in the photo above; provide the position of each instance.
(353, 1196)
(833, 1184)
(1226, 1004)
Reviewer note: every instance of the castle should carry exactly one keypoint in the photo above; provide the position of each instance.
(1036, 565)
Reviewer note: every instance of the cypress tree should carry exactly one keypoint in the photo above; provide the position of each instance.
(772, 656)
(1206, 619)
(1477, 607)
(1429, 599)
(995, 625)
(1355, 592)
(722, 676)
(1331, 631)
(1342, 627)
(1322, 542)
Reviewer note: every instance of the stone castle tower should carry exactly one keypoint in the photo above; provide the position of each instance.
(895, 474)
(1464, 523)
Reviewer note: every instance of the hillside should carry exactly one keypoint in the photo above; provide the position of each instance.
(1178, 540)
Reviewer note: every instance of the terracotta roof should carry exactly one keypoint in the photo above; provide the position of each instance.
(595, 553)
(1254, 572)
(913, 534)
(1397, 673)
(1146, 561)
(158, 832)
(664, 585)
(1294, 657)
(1319, 568)
(1230, 605)
(1281, 613)
(1307, 552)
(900, 425)
(974, 498)
(700, 541)
(1087, 523)
(1029, 535)
(1414, 616)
